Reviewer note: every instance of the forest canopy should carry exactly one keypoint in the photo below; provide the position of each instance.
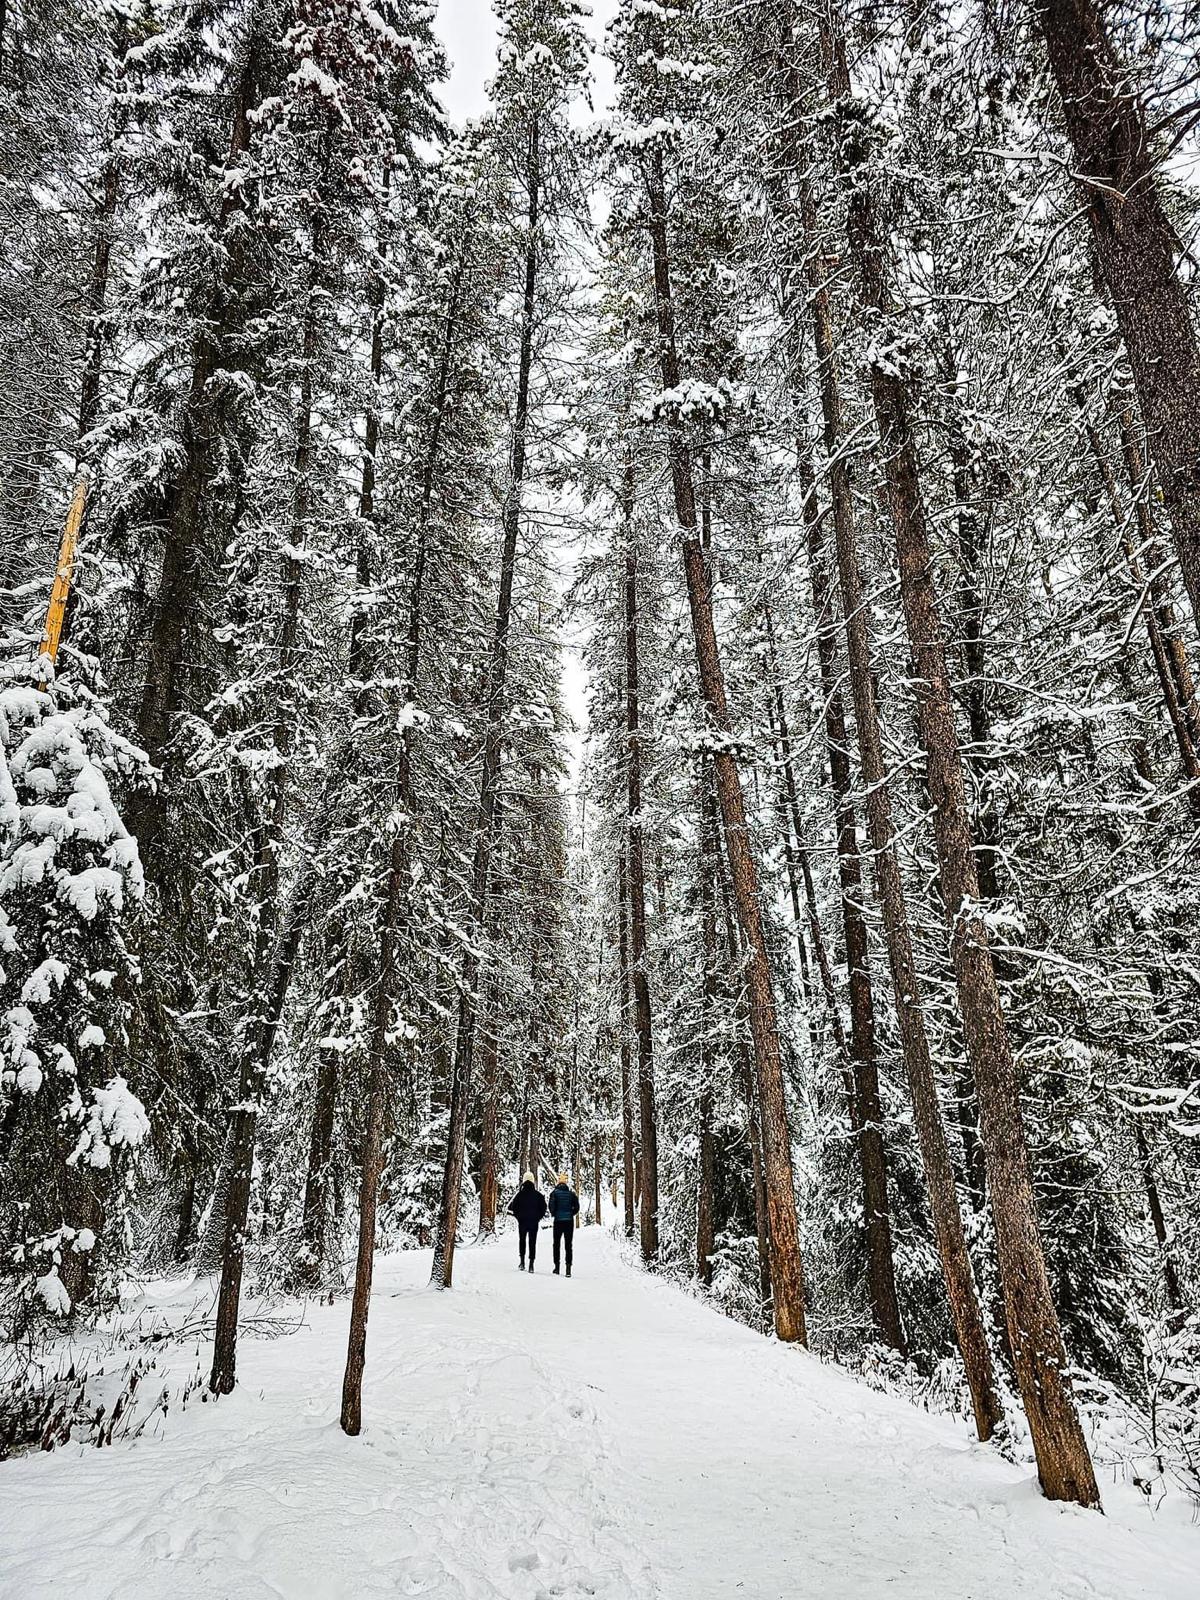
(827, 403)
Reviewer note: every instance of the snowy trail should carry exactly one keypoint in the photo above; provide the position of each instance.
(528, 1438)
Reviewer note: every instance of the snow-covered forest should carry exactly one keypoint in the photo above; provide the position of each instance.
(644, 634)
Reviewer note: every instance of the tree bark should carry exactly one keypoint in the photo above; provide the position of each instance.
(1158, 1221)
(396, 904)
(643, 1028)
(256, 1057)
(274, 956)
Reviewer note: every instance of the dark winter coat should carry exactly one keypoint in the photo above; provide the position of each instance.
(528, 1205)
(564, 1203)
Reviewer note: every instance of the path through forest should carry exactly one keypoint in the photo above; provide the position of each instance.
(530, 1438)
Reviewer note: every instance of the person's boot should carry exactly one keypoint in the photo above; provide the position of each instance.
(531, 1266)
(521, 1264)
(568, 1272)
(556, 1272)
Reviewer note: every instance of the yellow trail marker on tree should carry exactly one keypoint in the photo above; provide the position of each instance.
(57, 609)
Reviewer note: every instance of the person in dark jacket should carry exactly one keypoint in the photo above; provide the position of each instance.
(528, 1205)
(564, 1208)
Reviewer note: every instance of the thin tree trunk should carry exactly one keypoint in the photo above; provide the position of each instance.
(1158, 1220)
(787, 1274)
(867, 1108)
(489, 1179)
(239, 1155)
(705, 1220)
(1167, 649)
(627, 1144)
(445, 1237)
(648, 1218)
(274, 958)
(316, 1180)
(1150, 552)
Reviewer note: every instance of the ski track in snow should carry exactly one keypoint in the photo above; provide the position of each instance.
(529, 1438)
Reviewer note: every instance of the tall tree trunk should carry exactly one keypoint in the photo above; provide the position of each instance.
(396, 905)
(787, 1273)
(274, 957)
(629, 1162)
(486, 821)
(946, 1216)
(643, 1028)
(1064, 1466)
(867, 1106)
(1137, 246)
(489, 1155)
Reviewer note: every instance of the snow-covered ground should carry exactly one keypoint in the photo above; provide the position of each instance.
(530, 1437)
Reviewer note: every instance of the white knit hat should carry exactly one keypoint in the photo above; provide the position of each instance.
(528, 1178)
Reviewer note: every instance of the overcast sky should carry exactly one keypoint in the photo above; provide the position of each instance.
(468, 30)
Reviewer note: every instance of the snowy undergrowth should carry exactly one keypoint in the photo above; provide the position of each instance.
(128, 1375)
(141, 1367)
(529, 1437)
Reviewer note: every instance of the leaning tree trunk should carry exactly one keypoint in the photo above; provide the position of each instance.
(486, 824)
(648, 1218)
(961, 1293)
(1137, 247)
(787, 1274)
(1064, 1465)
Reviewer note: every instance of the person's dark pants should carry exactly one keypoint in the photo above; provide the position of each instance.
(564, 1232)
(528, 1233)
